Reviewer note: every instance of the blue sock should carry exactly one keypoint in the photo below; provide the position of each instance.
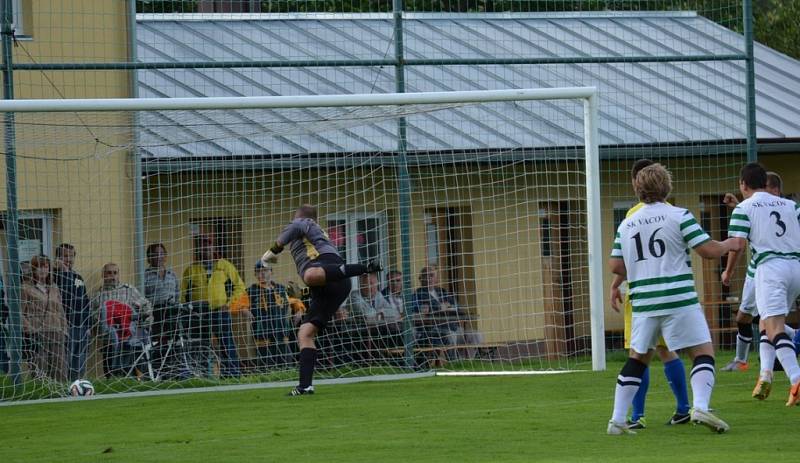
(638, 399)
(676, 377)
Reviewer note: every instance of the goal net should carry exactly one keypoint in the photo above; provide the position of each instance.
(483, 209)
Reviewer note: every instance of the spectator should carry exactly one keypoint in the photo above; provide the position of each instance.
(76, 307)
(43, 321)
(125, 317)
(272, 326)
(162, 289)
(393, 292)
(381, 317)
(215, 284)
(446, 319)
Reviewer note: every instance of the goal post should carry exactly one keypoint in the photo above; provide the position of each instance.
(505, 219)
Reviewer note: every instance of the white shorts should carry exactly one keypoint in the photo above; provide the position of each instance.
(748, 304)
(682, 329)
(777, 286)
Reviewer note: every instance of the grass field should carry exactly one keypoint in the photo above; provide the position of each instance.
(530, 418)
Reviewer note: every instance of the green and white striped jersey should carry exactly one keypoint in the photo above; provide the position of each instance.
(653, 243)
(770, 223)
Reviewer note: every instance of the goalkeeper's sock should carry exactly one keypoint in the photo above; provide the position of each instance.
(639, 399)
(766, 353)
(702, 381)
(676, 378)
(308, 358)
(628, 381)
(335, 272)
(744, 337)
(784, 350)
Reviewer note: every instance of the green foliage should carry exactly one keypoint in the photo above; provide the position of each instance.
(777, 25)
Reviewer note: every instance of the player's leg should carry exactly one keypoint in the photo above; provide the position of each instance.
(675, 373)
(325, 301)
(744, 338)
(638, 404)
(688, 329)
(331, 268)
(777, 287)
(644, 331)
(766, 355)
(639, 399)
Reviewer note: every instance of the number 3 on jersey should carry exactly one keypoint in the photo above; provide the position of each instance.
(779, 223)
(656, 246)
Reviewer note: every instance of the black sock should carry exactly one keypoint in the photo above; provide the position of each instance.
(335, 272)
(308, 358)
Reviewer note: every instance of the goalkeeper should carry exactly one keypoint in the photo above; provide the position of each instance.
(673, 365)
(324, 271)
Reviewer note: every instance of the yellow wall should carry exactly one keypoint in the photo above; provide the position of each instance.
(87, 186)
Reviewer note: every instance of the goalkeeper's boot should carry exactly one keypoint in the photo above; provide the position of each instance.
(794, 395)
(294, 290)
(678, 418)
(297, 390)
(618, 429)
(710, 421)
(763, 386)
(735, 365)
(374, 266)
(639, 423)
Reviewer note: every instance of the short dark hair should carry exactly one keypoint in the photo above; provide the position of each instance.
(392, 273)
(639, 165)
(774, 181)
(151, 249)
(754, 176)
(63, 246)
(307, 211)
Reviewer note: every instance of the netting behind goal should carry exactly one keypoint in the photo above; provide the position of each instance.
(481, 228)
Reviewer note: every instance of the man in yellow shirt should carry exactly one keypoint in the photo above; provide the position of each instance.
(674, 369)
(215, 285)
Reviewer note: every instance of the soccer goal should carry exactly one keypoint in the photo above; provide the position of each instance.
(483, 208)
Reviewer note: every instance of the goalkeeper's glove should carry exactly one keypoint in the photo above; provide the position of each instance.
(271, 256)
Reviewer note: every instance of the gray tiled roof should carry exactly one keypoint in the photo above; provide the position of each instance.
(641, 103)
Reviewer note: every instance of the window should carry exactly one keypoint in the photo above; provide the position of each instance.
(18, 10)
(359, 237)
(226, 236)
(35, 237)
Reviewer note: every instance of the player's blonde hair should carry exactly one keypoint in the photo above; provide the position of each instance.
(653, 184)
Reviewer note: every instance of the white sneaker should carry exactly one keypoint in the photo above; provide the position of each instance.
(618, 429)
(709, 420)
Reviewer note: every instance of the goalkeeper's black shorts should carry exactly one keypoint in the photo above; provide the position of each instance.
(326, 300)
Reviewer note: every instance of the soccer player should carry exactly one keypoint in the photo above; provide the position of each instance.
(673, 365)
(747, 308)
(323, 270)
(771, 224)
(650, 251)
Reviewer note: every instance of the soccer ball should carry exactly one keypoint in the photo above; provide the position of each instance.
(80, 388)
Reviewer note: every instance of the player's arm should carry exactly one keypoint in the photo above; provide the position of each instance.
(696, 238)
(730, 200)
(730, 267)
(616, 264)
(289, 234)
(616, 294)
(712, 249)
